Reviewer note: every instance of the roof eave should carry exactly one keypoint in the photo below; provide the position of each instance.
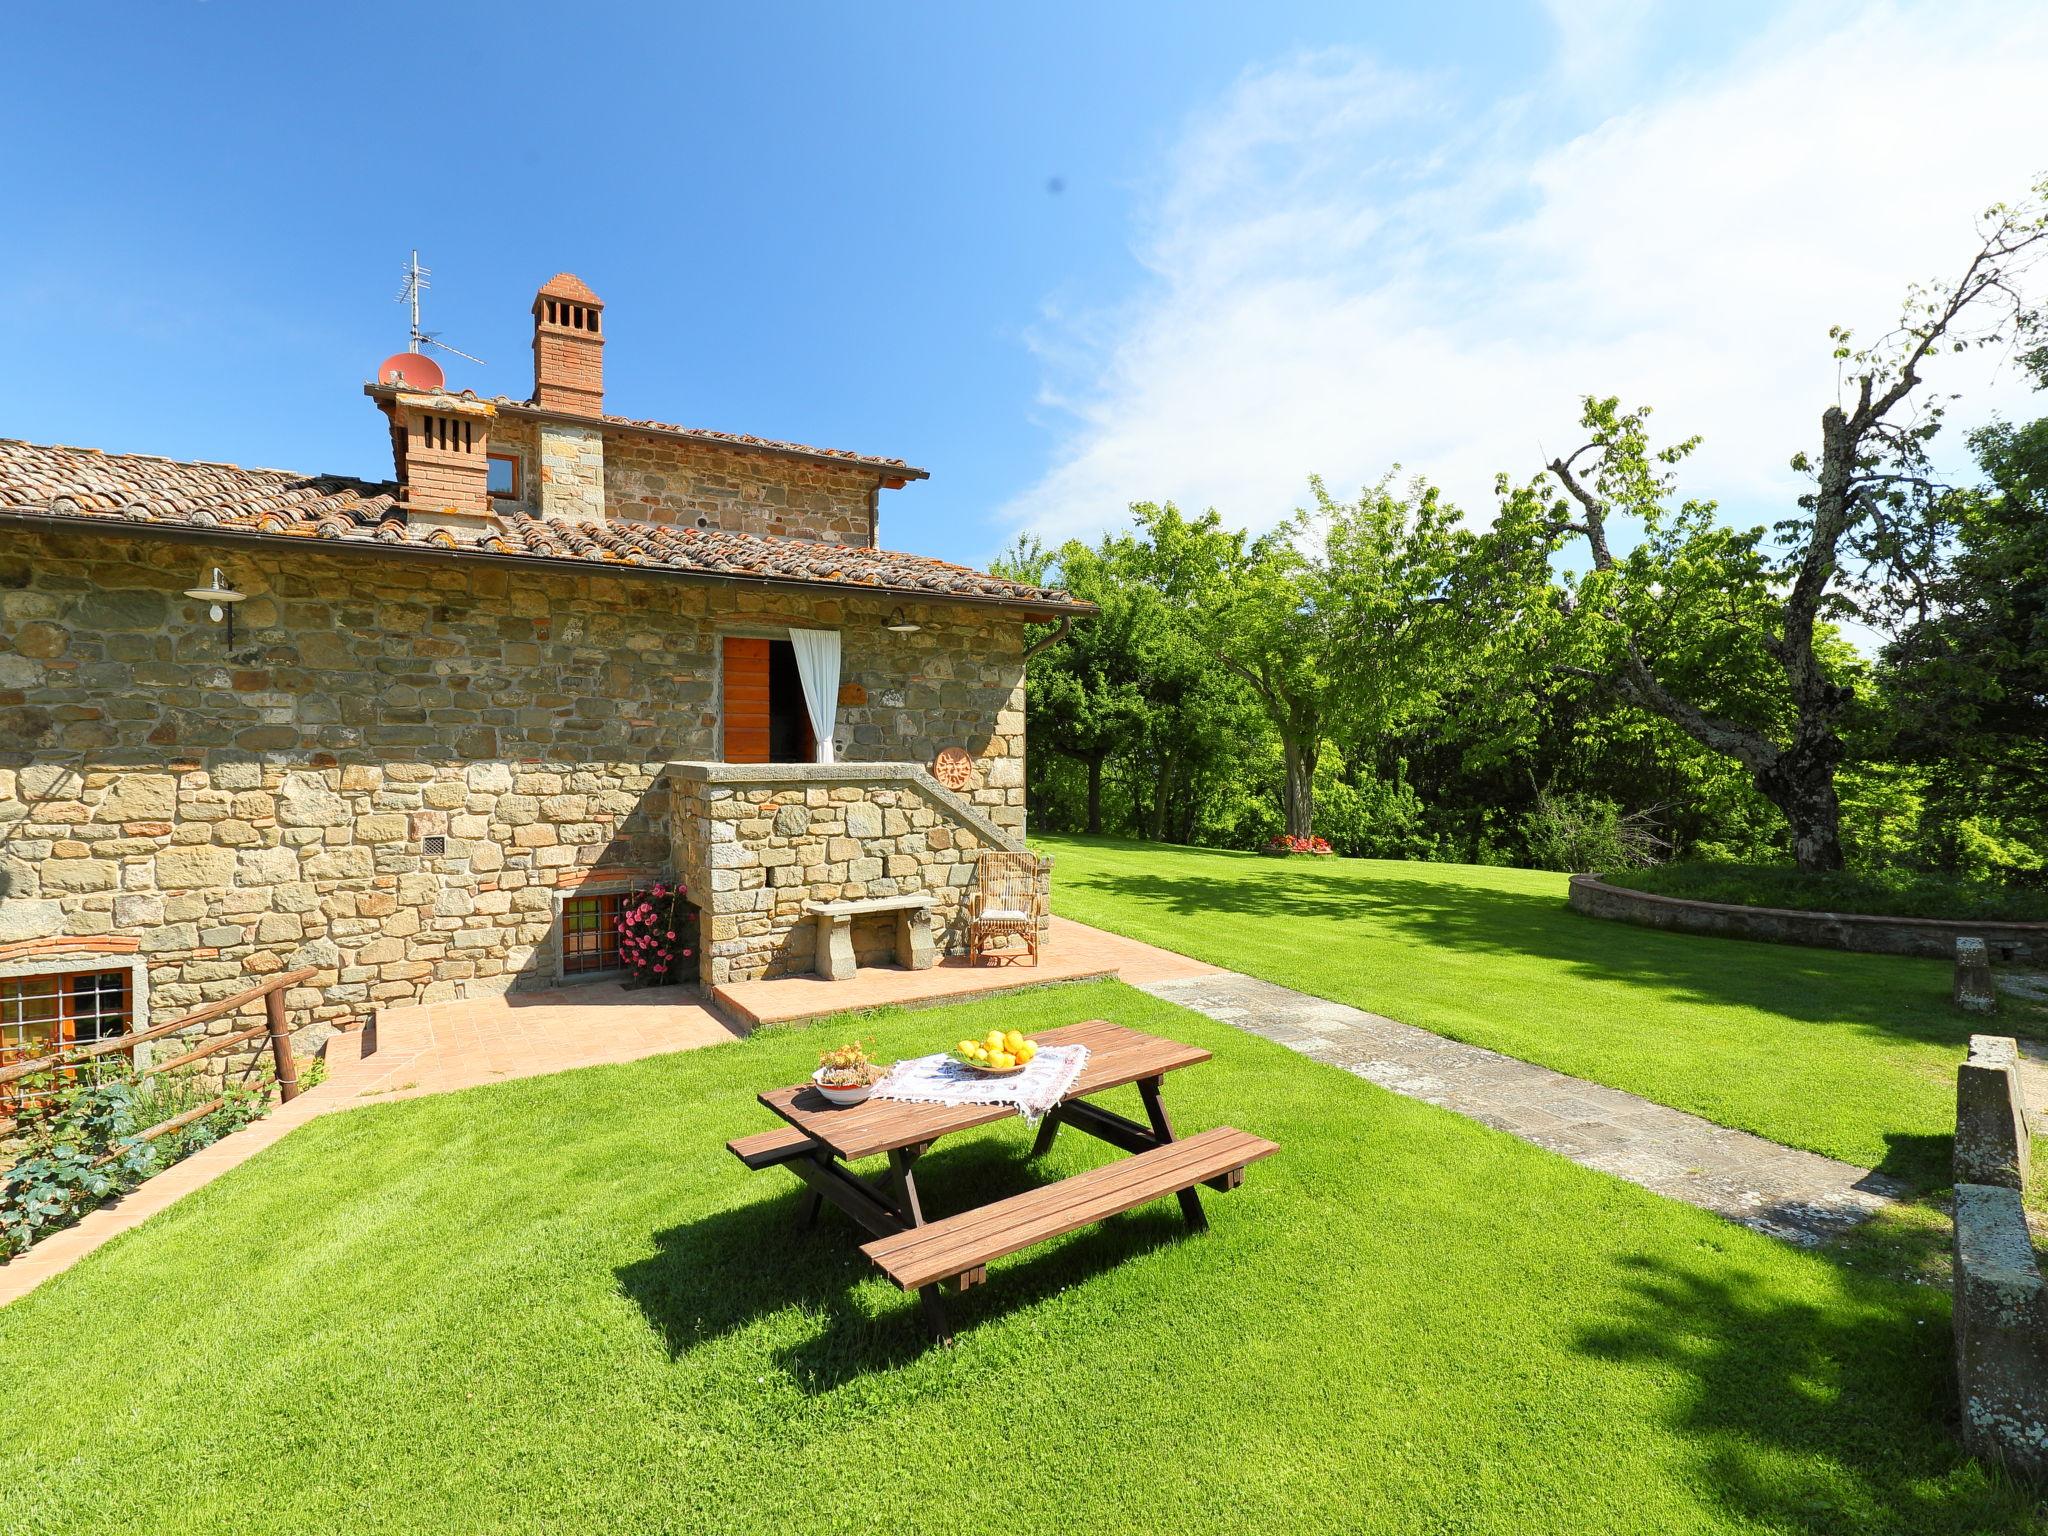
(35, 517)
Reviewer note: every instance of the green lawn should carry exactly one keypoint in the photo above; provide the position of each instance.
(558, 1304)
(1853, 1056)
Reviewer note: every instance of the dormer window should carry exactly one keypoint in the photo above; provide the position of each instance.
(504, 480)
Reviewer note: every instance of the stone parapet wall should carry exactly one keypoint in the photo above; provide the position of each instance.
(756, 842)
(247, 813)
(2001, 1329)
(2000, 1303)
(1933, 938)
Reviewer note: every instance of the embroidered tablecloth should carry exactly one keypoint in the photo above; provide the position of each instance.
(1045, 1080)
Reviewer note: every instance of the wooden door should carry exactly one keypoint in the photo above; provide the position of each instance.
(745, 701)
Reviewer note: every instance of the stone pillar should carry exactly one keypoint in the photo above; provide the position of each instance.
(835, 947)
(1993, 1140)
(1973, 990)
(914, 938)
(571, 472)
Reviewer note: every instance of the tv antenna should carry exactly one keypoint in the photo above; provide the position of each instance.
(415, 283)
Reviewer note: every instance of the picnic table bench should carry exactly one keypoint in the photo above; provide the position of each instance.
(820, 1139)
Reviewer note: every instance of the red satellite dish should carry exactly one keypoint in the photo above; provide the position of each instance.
(414, 370)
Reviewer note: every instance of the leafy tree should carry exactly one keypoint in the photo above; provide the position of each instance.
(1749, 600)
(1133, 690)
(1965, 678)
(1336, 620)
(1083, 699)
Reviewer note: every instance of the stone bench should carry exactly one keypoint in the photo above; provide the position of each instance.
(835, 932)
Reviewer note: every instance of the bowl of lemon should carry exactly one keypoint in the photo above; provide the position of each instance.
(997, 1053)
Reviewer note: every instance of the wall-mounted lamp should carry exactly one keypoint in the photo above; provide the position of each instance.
(223, 599)
(901, 625)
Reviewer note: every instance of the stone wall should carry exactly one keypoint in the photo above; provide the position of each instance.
(264, 810)
(695, 485)
(758, 841)
(1930, 937)
(669, 480)
(2000, 1302)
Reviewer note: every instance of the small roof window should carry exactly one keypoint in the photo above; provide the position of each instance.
(504, 476)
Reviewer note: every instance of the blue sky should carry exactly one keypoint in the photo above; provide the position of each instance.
(1064, 256)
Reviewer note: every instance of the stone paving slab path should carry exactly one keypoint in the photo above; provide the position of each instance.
(1798, 1196)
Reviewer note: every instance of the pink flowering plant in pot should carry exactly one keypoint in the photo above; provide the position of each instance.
(658, 935)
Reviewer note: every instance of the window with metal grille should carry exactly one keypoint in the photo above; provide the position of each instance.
(40, 1015)
(590, 933)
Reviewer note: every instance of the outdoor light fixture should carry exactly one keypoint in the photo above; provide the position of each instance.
(223, 598)
(900, 625)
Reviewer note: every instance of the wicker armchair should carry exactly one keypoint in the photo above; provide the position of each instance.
(1005, 902)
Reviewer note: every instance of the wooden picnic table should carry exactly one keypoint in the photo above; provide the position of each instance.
(821, 1139)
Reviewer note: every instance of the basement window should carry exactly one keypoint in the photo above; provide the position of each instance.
(42, 1014)
(504, 476)
(590, 933)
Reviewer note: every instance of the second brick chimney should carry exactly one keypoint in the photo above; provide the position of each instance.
(568, 347)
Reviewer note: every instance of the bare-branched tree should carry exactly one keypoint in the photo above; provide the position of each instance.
(1775, 595)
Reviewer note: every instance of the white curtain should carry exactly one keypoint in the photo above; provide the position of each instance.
(817, 663)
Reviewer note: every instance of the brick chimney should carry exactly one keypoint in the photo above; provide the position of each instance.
(440, 443)
(568, 347)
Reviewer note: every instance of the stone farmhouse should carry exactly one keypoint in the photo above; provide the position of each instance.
(437, 726)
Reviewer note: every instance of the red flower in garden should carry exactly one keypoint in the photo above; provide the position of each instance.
(649, 922)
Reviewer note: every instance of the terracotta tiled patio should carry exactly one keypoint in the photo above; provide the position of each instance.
(1072, 952)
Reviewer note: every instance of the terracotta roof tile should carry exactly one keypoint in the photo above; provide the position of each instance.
(890, 468)
(86, 485)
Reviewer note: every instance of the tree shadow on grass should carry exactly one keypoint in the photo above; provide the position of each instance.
(1809, 984)
(1916, 1161)
(1826, 1415)
(721, 1274)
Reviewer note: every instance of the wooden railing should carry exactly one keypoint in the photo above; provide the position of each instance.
(271, 992)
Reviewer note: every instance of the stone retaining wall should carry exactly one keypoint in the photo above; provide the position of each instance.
(1934, 938)
(755, 842)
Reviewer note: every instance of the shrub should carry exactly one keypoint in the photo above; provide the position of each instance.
(1374, 818)
(1583, 833)
(658, 935)
(82, 1149)
(82, 1133)
(1281, 842)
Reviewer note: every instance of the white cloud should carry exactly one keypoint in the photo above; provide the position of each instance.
(1342, 273)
